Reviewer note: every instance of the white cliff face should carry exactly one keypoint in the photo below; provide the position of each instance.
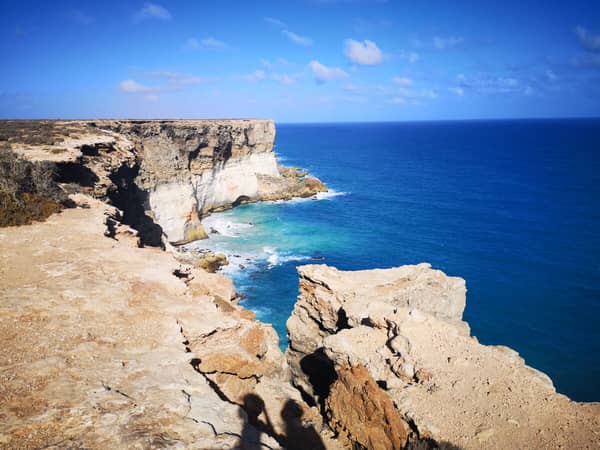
(172, 205)
(191, 167)
(233, 179)
(176, 205)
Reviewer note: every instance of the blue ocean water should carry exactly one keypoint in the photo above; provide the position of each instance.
(511, 206)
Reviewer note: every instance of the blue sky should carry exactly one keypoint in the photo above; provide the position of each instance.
(300, 61)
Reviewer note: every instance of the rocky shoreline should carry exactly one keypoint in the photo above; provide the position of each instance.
(109, 341)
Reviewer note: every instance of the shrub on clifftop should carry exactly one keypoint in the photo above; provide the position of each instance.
(28, 191)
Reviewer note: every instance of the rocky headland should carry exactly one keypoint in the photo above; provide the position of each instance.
(109, 341)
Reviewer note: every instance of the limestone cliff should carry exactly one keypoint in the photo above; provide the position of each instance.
(167, 174)
(108, 345)
(404, 325)
(190, 168)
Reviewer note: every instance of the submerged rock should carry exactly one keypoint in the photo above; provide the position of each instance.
(212, 262)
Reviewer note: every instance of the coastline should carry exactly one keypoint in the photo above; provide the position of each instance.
(106, 310)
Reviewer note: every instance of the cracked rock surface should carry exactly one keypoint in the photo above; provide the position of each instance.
(404, 325)
(94, 351)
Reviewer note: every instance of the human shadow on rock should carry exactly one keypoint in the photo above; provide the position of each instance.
(297, 435)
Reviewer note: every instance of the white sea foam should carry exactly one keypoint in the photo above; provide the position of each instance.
(330, 194)
(225, 226)
(318, 196)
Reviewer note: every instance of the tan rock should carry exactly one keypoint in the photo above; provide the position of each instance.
(94, 353)
(331, 300)
(192, 233)
(362, 414)
(212, 262)
(404, 325)
(166, 174)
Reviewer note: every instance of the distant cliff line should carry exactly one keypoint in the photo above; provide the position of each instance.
(164, 174)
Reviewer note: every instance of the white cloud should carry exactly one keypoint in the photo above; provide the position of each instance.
(171, 81)
(411, 57)
(457, 90)
(588, 40)
(365, 53)
(152, 11)
(551, 75)
(485, 83)
(133, 86)
(178, 80)
(257, 75)
(271, 64)
(417, 94)
(442, 43)
(297, 39)
(275, 21)
(212, 43)
(208, 43)
(286, 79)
(412, 96)
(403, 81)
(323, 73)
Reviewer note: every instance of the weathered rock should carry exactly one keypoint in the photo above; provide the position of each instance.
(404, 325)
(332, 300)
(167, 174)
(212, 262)
(362, 414)
(93, 342)
(193, 232)
(241, 357)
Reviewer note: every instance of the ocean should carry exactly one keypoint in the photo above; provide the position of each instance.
(511, 206)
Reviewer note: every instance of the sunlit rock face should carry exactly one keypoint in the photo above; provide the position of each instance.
(403, 327)
(192, 167)
(189, 168)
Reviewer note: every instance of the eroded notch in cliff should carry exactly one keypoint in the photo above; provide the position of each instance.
(193, 155)
(321, 374)
(128, 197)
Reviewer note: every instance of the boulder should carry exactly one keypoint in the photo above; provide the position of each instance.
(362, 414)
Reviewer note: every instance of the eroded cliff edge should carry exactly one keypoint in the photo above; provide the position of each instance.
(164, 174)
(401, 329)
(108, 345)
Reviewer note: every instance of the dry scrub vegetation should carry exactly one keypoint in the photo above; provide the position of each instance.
(28, 190)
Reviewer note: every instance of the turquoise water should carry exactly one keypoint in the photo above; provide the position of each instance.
(511, 206)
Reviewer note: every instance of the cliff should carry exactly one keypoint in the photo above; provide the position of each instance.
(109, 345)
(404, 325)
(164, 175)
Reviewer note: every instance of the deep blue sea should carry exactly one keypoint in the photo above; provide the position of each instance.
(511, 206)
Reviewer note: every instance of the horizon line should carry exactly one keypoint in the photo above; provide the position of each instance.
(166, 119)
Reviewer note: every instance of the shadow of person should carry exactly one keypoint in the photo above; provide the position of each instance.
(250, 438)
(298, 436)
